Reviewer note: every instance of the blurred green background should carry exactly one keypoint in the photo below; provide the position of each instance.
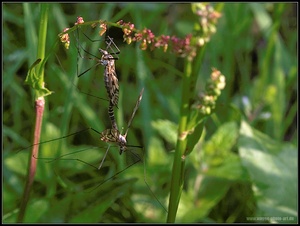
(243, 167)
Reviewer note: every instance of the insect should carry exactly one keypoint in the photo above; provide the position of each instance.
(114, 136)
(108, 61)
(111, 115)
(111, 82)
(110, 76)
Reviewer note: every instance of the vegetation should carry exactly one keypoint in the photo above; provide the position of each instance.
(231, 158)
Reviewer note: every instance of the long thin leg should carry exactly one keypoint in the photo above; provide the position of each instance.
(104, 157)
(134, 111)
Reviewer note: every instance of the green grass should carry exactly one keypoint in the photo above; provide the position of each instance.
(248, 144)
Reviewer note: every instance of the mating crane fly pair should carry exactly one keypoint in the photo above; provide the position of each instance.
(112, 135)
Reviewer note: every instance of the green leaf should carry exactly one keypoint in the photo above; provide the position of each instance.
(273, 169)
(230, 169)
(36, 210)
(221, 144)
(194, 209)
(97, 206)
(35, 80)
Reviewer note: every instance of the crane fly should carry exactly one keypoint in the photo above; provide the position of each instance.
(108, 61)
(109, 75)
(114, 136)
(85, 48)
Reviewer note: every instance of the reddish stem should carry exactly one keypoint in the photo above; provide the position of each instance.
(39, 107)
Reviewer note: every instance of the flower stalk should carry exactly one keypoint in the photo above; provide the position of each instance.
(179, 158)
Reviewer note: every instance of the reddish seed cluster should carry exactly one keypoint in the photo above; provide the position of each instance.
(127, 27)
(181, 47)
(147, 37)
(79, 20)
(103, 28)
(162, 41)
(65, 38)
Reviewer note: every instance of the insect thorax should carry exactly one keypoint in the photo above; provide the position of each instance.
(114, 136)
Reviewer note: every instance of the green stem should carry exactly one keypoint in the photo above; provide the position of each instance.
(179, 158)
(42, 41)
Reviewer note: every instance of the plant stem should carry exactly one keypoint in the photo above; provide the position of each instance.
(40, 103)
(39, 106)
(179, 158)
